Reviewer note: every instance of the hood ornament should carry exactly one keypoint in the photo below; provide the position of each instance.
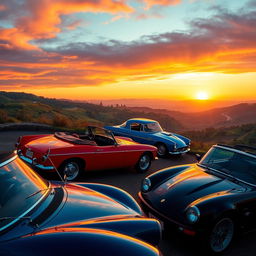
(162, 200)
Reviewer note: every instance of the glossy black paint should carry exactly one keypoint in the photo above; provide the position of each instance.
(82, 219)
(174, 190)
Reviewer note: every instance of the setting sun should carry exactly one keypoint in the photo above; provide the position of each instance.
(202, 96)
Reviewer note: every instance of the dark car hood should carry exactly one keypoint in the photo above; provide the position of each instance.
(84, 204)
(192, 184)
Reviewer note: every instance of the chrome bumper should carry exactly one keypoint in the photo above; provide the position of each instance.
(179, 152)
(40, 166)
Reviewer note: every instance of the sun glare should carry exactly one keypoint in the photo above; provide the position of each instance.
(202, 96)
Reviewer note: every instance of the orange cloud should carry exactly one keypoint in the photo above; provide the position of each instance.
(150, 3)
(223, 43)
(2, 7)
(42, 18)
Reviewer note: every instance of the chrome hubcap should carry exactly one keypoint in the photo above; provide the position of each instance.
(71, 170)
(161, 150)
(222, 235)
(144, 162)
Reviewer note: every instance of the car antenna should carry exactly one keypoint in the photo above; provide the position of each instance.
(65, 176)
(19, 218)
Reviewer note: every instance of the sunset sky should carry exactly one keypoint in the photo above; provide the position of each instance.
(117, 49)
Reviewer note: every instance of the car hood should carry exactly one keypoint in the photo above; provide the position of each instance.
(171, 137)
(86, 205)
(192, 184)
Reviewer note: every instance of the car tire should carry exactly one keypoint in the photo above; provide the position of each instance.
(71, 169)
(221, 235)
(161, 150)
(143, 163)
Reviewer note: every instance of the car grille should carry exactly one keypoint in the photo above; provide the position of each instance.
(181, 149)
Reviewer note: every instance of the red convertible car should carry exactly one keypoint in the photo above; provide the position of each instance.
(71, 154)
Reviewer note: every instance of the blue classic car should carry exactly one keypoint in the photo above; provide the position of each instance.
(39, 217)
(148, 131)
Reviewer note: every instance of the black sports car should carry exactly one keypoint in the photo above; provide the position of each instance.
(210, 200)
(38, 217)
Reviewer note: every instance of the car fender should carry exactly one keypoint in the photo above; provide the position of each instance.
(185, 139)
(23, 140)
(142, 228)
(118, 194)
(216, 205)
(77, 242)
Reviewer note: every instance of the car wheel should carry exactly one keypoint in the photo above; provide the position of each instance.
(71, 169)
(144, 163)
(161, 150)
(221, 235)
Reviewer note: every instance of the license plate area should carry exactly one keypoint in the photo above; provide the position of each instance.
(150, 215)
(29, 153)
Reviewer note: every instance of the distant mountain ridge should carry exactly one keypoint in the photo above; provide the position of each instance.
(244, 113)
(25, 107)
(22, 106)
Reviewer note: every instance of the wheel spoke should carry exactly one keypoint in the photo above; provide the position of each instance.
(222, 235)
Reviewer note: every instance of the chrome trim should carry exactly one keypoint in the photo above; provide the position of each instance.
(179, 152)
(27, 211)
(40, 166)
(100, 152)
(8, 161)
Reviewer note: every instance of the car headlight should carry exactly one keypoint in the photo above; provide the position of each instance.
(193, 214)
(146, 184)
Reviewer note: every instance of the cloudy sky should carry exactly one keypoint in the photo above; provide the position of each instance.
(109, 49)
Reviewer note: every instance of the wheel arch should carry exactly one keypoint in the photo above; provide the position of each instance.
(80, 160)
(148, 153)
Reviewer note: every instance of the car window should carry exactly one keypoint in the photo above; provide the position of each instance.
(136, 127)
(152, 127)
(102, 137)
(17, 183)
(237, 164)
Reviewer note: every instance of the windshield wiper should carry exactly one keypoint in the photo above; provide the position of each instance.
(221, 171)
(206, 167)
(37, 192)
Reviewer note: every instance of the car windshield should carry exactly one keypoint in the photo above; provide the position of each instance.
(239, 165)
(101, 136)
(20, 189)
(153, 127)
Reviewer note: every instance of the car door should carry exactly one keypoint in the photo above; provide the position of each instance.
(106, 154)
(137, 133)
(108, 157)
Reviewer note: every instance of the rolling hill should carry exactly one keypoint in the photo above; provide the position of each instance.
(24, 107)
(236, 115)
(230, 125)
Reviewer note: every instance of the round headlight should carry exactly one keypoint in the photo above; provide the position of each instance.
(146, 184)
(193, 214)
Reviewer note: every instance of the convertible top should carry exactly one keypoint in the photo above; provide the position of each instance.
(73, 139)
